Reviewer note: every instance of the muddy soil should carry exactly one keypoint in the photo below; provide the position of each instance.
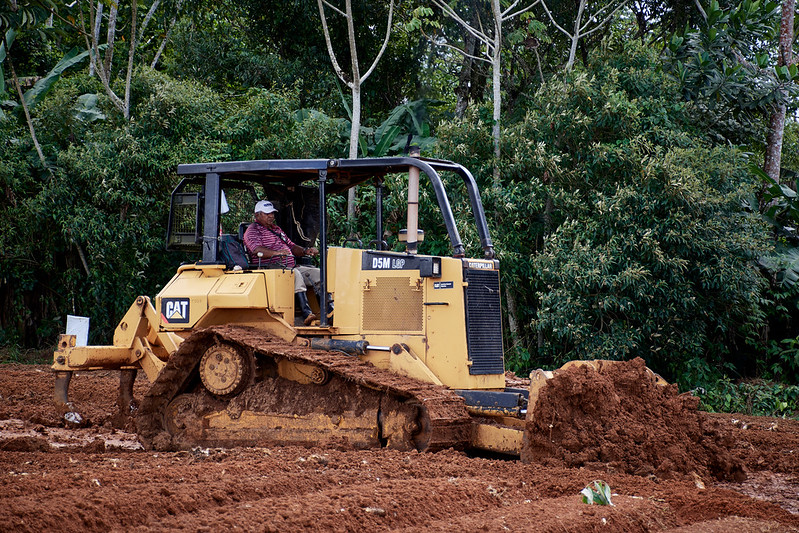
(93, 477)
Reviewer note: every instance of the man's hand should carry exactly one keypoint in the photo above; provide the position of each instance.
(273, 253)
(311, 251)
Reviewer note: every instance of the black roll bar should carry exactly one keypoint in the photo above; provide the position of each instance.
(340, 174)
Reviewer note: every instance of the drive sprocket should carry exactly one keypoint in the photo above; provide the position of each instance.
(225, 370)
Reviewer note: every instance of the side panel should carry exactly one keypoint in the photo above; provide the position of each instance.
(344, 286)
(391, 302)
(202, 295)
(184, 300)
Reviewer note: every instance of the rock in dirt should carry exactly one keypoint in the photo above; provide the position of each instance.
(619, 419)
(25, 444)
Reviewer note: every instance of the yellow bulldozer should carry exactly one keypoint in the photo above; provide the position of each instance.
(407, 352)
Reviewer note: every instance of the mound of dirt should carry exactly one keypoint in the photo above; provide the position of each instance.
(618, 418)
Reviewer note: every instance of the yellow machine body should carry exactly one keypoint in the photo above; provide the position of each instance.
(422, 318)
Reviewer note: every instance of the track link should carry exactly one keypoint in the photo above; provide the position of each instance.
(437, 416)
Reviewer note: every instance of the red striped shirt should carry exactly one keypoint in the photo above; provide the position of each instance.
(272, 238)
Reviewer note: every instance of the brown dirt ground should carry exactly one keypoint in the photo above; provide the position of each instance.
(97, 478)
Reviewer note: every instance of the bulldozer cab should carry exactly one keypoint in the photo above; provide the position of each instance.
(213, 203)
(298, 212)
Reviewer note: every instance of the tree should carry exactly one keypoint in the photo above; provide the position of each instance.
(773, 157)
(652, 254)
(103, 68)
(725, 69)
(490, 39)
(622, 231)
(354, 79)
(13, 16)
(584, 24)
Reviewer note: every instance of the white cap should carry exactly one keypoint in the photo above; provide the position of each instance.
(265, 207)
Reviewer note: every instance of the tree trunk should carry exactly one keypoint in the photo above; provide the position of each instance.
(356, 104)
(496, 65)
(463, 91)
(354, 133)
(575, 38)
(99, 67)
(168, 33)
(110, 38)
(773, 157)
(549, 209)
(147, 18)
(357, 79)
(134, 5)
(98, 22)
(513, 321)
(26, 111)
(466, 76)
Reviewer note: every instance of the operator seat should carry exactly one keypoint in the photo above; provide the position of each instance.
(242, 228)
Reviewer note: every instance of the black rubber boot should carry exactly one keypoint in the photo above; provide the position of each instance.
(318, 290)
(305, 307)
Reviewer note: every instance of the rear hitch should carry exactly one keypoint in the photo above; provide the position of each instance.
(125, 401)
(61, 396)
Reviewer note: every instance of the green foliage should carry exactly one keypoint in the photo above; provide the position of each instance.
(511, 210)
(22, 243)
(217, 50)
(265, 125)
(35, 95)
(633, 240)
(109, 199)
(757, 398)
(726, 67)
(783, 360)
(408, 123)
(6, 43)
(26, 356)
(597, 492)
(24, 13)
(660, 267)
(781, 266)
(90, 238)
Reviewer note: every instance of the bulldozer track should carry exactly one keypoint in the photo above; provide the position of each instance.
(441, 417)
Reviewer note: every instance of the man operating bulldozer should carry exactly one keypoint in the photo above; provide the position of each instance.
(268, 246)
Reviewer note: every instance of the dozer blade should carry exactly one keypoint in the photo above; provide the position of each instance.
(538, 378)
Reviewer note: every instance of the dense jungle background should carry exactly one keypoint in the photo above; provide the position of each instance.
(637, 160)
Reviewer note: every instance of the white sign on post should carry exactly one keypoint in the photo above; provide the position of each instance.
(78, 326)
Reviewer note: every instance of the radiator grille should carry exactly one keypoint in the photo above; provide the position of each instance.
(484, 322)
(392, 304)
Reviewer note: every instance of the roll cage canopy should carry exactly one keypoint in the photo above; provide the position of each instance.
(332, 176)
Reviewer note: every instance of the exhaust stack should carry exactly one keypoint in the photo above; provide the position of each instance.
(412, 244)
